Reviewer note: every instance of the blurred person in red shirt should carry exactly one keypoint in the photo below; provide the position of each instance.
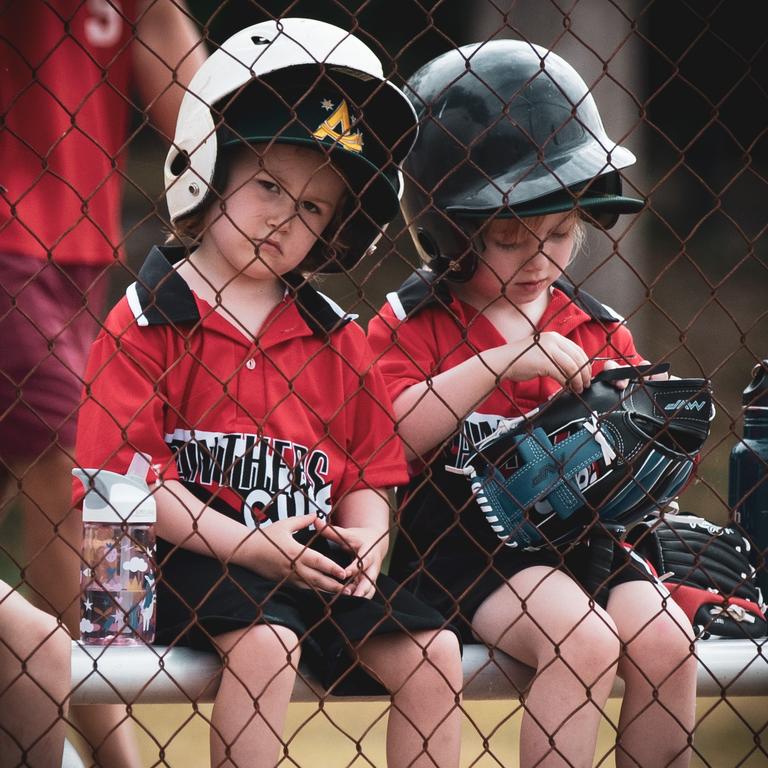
(71, 70)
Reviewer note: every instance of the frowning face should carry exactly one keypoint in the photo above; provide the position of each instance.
(278, 200)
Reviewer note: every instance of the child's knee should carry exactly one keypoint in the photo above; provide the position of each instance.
(444, 655)
(43, 647)
(276, 643)
(424, 658)
(39, 634)
(58, 646)
(42, 628)
(591, 648)
(441, 643)
(661, 650)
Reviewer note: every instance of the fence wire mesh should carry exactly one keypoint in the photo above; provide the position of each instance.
(261, 407)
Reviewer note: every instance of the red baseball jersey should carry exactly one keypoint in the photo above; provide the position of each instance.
(424, 330)
(65, 101)
(283, 425)
(421, 332)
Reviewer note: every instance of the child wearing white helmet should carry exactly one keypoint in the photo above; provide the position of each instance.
(511, 159)
(271, 438)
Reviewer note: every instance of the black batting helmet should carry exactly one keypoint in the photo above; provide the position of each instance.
(507, 129)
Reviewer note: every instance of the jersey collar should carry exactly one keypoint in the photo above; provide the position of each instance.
(422, 289)
(160, 296)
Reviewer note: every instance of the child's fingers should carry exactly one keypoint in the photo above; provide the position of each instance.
(294, 524)
(359, 565)
(619, 383)
(362, 585)
(364, 588)
(320, 564)
(572, 364)
(656, 376)
(314, 580)
(342, 537)
(585, 374)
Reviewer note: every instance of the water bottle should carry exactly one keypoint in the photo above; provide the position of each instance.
(748, 472)
(117, 603)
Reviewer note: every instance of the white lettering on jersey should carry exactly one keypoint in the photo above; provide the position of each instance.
(275, 478)
(475, 428)
(104, 24)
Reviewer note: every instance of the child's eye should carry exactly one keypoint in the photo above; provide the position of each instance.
(506, 246)
(309, 206)
(268, 185)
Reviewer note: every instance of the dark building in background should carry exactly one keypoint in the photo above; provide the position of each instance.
(404, 33)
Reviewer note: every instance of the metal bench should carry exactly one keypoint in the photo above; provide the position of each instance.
(161, 675)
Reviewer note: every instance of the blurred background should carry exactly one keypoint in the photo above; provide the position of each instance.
(681, 84)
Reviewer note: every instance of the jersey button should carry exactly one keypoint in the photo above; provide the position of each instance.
(251, 364)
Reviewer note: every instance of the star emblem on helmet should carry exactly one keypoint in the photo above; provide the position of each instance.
(338, 127)
(326, 104)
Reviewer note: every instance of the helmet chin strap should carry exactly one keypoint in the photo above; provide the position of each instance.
(461, 268)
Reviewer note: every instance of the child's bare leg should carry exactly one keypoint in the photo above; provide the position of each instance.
(53, 534)
(33, 701)
(574, 649)
(424, 675)
(659, 671)
(251, 704)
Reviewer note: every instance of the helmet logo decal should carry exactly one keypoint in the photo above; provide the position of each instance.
(337, 126)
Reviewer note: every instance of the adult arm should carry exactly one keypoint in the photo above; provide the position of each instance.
(167, 51)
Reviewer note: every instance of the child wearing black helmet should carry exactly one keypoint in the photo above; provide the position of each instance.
(268, 427)
(511, 159)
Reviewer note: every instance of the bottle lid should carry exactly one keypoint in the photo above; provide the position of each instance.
(756, 393)
(114, 498)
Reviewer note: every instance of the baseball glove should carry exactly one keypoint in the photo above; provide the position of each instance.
(707, 571)
(611, 454)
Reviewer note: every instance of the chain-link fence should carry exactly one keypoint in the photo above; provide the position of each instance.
(336, 514)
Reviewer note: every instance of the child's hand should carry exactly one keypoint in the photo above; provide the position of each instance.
(551, 355)
(369, 547)
(282, 558)
(624, 383)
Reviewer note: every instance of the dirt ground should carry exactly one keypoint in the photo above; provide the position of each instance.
(729, 734)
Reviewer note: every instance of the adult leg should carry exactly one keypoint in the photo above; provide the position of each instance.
(34, 684)
(424, 675)
(46, 333)
(53, 539)
(659, 670)
(249, 712)
(544, 619)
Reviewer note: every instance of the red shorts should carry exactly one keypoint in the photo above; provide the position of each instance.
(49, 316)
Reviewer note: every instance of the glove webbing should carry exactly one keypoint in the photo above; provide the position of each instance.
(549, 469)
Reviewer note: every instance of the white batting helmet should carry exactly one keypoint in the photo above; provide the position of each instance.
(300, 75)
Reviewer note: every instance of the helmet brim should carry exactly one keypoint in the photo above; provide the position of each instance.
(599, 196)
(285, 107)
(599, 206)
(524, 186)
